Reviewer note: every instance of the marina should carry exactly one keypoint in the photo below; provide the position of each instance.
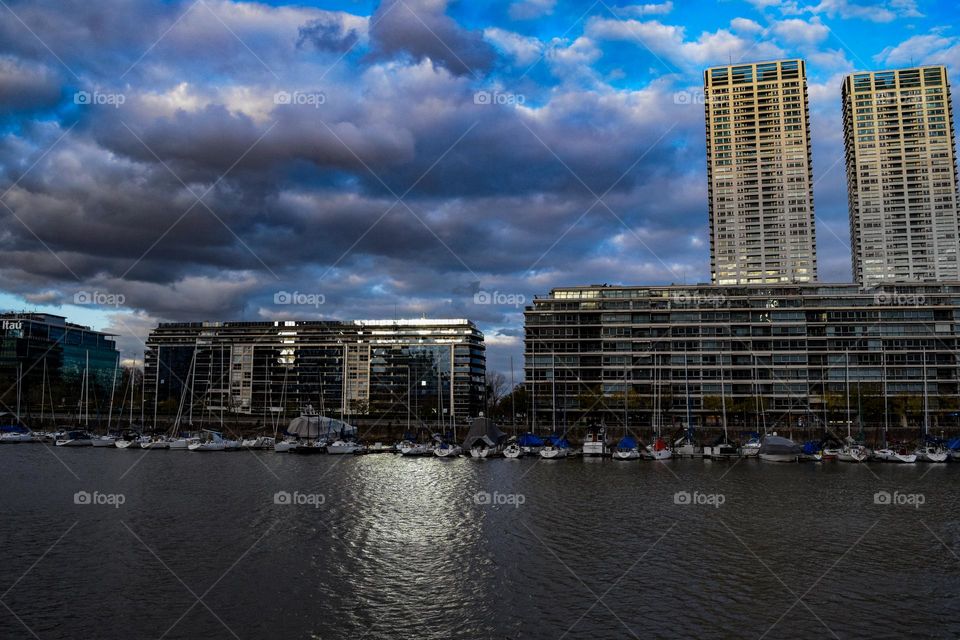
(281, 570)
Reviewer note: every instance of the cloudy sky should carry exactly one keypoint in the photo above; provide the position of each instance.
(205, 160)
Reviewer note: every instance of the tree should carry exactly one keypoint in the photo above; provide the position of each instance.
(497, 388)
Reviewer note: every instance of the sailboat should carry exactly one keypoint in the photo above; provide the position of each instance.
(448, 447)
(16, 433)
(214, 442)
(627, 447)
(108, 439)
(686, 446)
(851, 451)
(79, 437)
(659, 449)
(556, 447)
(929, 451)
(776, 448)
(722, 449)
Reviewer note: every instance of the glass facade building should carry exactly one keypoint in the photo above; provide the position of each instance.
(337, 368)
(38, 342)
(781, 354)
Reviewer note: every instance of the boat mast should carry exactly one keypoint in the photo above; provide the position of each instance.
(86, 391)
(19, 380)
(553, 388)
(686, 380)
(513, 402)
(113, 388)
(723, 401)
(886, 414)
(846, 360)
(923, 354)
(43, 389)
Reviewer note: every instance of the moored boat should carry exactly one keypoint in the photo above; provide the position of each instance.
(626, 449)
(556, 447)
(776, 448)
(340, 447)
(74, 439)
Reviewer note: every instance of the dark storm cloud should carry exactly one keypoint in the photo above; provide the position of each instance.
(421, 29)
(329, 35)
(301, 194)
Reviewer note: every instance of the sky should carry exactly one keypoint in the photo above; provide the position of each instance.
(226, 160)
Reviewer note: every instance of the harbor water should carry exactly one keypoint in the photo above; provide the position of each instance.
(104, 543)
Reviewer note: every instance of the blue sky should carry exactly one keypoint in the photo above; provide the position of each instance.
(195, 160)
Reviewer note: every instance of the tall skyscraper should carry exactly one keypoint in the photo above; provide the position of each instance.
(759, 174)
(901, 175)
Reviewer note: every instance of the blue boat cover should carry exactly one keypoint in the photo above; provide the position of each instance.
(627, 442)
(954, 444)
(13, 428)
(530, 440)
(811, 447)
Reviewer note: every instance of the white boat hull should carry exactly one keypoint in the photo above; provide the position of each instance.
(75, 443)
(931, 456)
(778, 457)
(447, 452)
(416, 450)
(480, 453)
(155, 444)
(284, 447)
(206, 446)
(594, 449)
(16, 438)
(104, 442)
(552, 453)
(341, 449)
(626, 454)
(750, 450)
(512, 451)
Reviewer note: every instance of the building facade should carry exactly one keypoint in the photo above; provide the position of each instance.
(766, 356)
(285, 368)
(759, 174)
(42, 344)
(901, 175)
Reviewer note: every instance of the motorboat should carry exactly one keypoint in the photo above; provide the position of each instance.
(379, 447)
(595, 443)
(626, 449)
(830, 453)
(776, 448)
(260, 442)
(129, 440)
(74, 439)
(339, 447)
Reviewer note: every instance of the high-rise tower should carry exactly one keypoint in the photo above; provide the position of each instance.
(759, 174)
(901, 175)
